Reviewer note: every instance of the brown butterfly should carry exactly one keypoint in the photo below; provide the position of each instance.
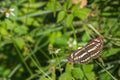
(91, 51)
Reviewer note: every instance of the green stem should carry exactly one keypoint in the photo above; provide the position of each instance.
(90, 26)
(19, 53)
(106, 70)
(40, 68)
(74, 34)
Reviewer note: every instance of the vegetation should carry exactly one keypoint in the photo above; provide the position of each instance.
(36, 36)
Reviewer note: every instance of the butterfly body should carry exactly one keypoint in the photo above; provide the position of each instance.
(91, 51)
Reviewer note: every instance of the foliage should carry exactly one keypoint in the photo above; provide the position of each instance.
(35, 39)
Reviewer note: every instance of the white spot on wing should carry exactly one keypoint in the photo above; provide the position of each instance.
(83, 55)
(90, 44)
(92, 49)
(76, 58)
(98, 44)
(78, 51)
(85, 60)
(97, 40)
(95, 53)
(71, 56)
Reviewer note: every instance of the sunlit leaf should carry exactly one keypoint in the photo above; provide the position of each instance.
(21, 30)
(69, 19)
(88, 67)
(77, 73)
(90, 75)
(65, 76)
(61, 16)
(6, 72)
(53, 36)
(69, 67)
(20, 42)
(3, 31)
(82, 13)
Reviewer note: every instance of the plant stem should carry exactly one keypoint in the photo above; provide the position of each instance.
(106, 70)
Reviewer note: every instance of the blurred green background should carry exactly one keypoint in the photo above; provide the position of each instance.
(36, 36)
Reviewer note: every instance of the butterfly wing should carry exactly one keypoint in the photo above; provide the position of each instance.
(91, 50)
(94, 48)
(79, 56)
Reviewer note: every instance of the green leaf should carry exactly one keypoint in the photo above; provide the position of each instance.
(20, 43)
(90, 75)
(21, 30)
(69, 19)
(69, 68)
(76, 7)
(77, 73)
(88, 67)
(65, 76)
(9, 24)
(88, 71)
(110, 52)
(61, 41)
(29, 38)
(61, 16)
(81, 13)
(53, 36)
(3, 31)
(67, 5)
(85, 37)
(53, 5)
(6, 72)
(57, 39)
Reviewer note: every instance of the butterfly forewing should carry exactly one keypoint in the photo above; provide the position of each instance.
(91, 50)
(78, 56)
(94, 48)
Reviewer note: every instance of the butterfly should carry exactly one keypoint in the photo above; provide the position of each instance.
(91, 51)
